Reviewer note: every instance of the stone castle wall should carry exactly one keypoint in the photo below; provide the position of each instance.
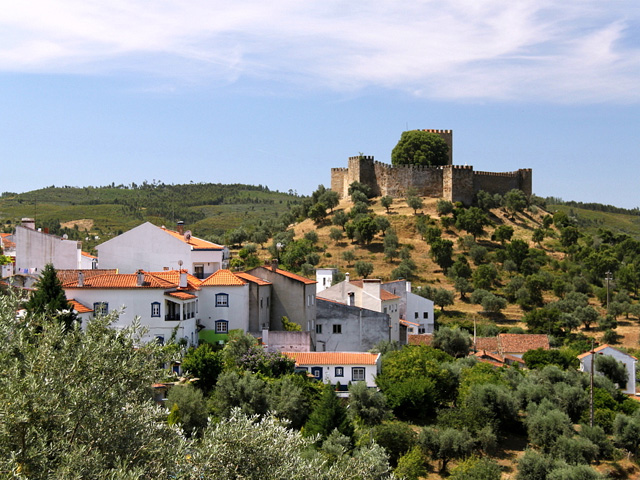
(455, 183)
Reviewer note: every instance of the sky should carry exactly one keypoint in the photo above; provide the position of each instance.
(277, 93)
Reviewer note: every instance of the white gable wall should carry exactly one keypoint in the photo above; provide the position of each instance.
(629, 362)
(35, 249)
(137, 303)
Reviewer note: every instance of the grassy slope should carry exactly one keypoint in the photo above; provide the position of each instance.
(402, 220)
(104, 210)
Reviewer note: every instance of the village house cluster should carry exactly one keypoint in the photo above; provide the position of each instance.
(179, 288)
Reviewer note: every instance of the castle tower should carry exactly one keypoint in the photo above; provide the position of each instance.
(447, 136)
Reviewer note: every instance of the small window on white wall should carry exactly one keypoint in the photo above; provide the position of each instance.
(357, 374)
(222, 300)
(155, 309)
(339, 372)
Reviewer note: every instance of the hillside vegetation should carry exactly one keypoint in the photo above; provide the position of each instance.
(209, 210)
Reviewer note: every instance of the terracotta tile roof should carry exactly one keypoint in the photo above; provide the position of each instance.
(88, 255)
(223, 277)
(384, 295)
(181, 295)
(490, 362)
(79, 307)
(250, 278)
(173, 276)
(71, 275)
(6, 242)
(521, 343)
(195, 242)
(489, 344)
(421, 339)
(493, 356)
(514, 359)
(600, 348)
(333, 358)
(293, 276)
(122, 280)
(408, 323)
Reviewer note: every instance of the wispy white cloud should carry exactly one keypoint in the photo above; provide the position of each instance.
(572, 51)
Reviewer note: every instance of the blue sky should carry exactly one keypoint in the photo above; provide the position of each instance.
(277, 93)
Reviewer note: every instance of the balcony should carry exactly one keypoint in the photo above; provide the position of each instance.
(172, 316)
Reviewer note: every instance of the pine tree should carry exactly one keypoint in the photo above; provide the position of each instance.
(327, 416)
(49, 299)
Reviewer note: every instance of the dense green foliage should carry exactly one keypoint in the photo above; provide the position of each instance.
(417, 147)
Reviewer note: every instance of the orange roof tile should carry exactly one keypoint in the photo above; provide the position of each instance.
(195, 242)
(181, 295)
(88, 255)
(223, 277)
(173, 276)
(408, 323)
(521, 343)
(122, 280)
(250, 278)
(79, 307)
(421, 339)
(71, 275)
(293, 276)
(333, 358)
(489, 344)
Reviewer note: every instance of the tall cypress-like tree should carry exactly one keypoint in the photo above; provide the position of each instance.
(327, 416)
(49, 298)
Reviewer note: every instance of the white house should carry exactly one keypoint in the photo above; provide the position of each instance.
(324, 278)
(415, 310)
(153, 248)
(339, 367)
(367, 294)
(35, 249)
(224, 305)
(628, 361)
(166, 302)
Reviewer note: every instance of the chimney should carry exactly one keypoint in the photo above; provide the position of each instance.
(183, 279)
(80, 279)
(371, 287)
(346, 277)
(181, 227)
(28, 223)
(274, 265)
(140, 278)
(408, 286)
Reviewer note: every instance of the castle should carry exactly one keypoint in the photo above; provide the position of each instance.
(455, 183)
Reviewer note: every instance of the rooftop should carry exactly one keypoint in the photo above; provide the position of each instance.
(223, 277)
(521, 343)
(333, 358)
(195, 242)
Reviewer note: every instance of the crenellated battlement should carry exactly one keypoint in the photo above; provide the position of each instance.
(452, 182)
(431, 130)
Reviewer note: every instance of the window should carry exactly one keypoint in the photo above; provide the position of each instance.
(160, 339)
(385, 309)
(155, 309)
(222, 326)
(100, 308)
(425, 315)
(416, 315)
(318, 328)
(357, 374)
(337, 328)
(421, 330)
(352, 298)
(222, 300)
(198, 271)
(339, 372)
(261, 302)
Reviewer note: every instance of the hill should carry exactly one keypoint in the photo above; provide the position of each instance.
(84, 213)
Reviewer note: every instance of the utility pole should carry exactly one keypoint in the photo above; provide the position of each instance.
(593, 354)
(607, 278)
